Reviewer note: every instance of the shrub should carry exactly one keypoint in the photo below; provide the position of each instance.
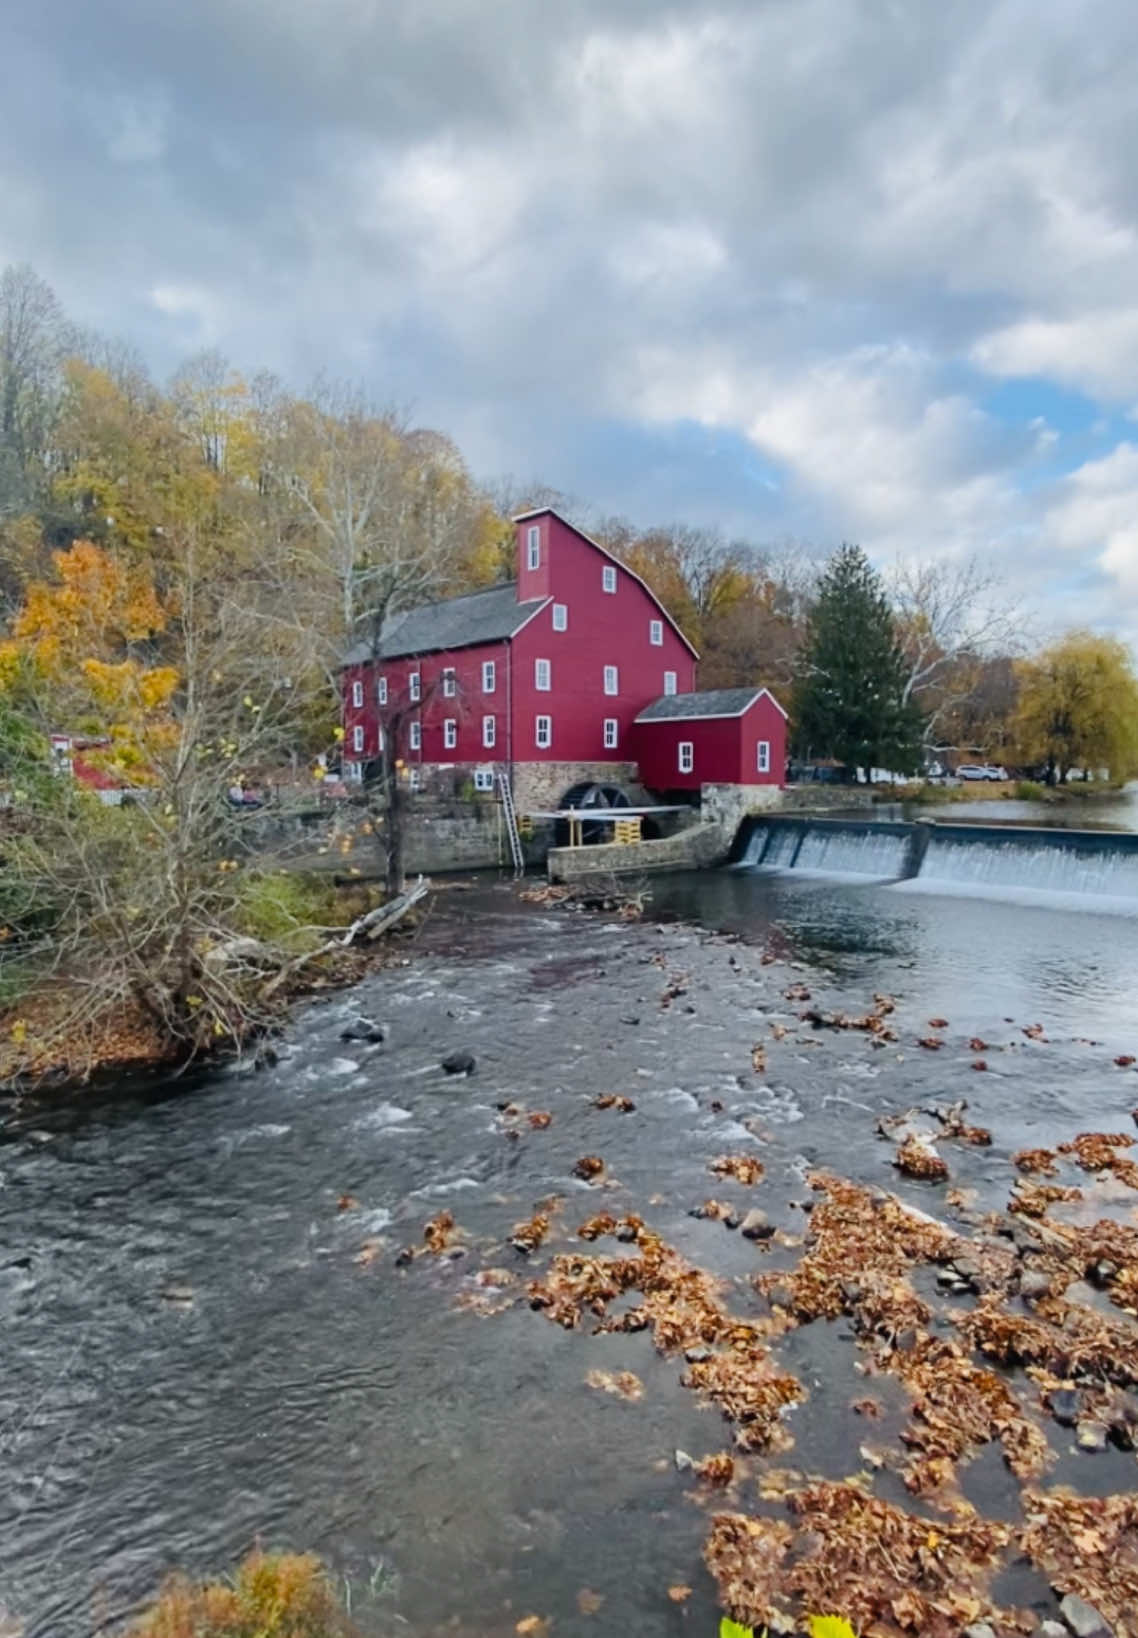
(276, 906)
(272, 1595)
(1029, 790)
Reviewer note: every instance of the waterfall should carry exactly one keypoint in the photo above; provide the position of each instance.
(1098, 867)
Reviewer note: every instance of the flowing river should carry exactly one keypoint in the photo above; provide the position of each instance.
(194, 1354)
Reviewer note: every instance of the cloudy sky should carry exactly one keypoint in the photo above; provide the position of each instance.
(823, 269)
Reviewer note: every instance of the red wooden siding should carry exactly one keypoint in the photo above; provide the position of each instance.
(725, 750)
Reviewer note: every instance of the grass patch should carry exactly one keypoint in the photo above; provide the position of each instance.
(1030, 790)
(280, 907)
(272, 1595)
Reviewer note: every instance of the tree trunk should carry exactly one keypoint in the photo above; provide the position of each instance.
(395, 880)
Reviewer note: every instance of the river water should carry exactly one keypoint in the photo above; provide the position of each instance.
(192, 1357)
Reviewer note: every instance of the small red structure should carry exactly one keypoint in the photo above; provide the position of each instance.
(725, 736)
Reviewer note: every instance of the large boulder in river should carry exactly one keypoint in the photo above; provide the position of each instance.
(459, 1063)
(363, 1029)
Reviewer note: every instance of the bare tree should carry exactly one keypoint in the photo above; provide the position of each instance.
(34, 338)
(951, 617)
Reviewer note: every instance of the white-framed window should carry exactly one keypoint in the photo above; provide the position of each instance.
(483, 779)
(687, 756)
(656, 633)
(414, 686)
(612, 680)
(542, 676)
(489, 732)
(354, 771)
(533, 546)
(415, 738)
(357, 738)
(381, 690)
(764, 756)
(543, 732)
(608, 578)
(414, 779)
(357, 693)
(561, 617)
(450, 683)
(669, 682)
(612, 731)
(489, 676)
(450, 733)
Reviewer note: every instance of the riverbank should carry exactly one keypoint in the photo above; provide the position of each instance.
(935, 794)
(260, 1358)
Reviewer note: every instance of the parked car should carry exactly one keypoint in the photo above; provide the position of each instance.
(981, 771)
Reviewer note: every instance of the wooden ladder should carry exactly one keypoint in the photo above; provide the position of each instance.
(516, 854)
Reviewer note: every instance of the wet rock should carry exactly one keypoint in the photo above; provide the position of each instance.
(1066, 1406)
(630, 1020)
(1123, 1416)
(364, 1029)
(756, 1226)
(697, 1356)
(683, 1461)
(181, 1296)
(979, 1629)
(1090, 1436)
(459, 1063)
(1103, 1272)
(1034, 1284)
(1082, 1618)
(1052, 1629)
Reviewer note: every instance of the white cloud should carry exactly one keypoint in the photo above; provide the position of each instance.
(1094, 352)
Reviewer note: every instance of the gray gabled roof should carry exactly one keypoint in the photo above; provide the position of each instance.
(460, 622)
(713, 702)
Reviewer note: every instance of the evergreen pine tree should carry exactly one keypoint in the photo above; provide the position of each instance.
(849, 699)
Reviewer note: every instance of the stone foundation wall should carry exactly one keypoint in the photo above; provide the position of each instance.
(728, 805)
(696, 848)
(539, 786)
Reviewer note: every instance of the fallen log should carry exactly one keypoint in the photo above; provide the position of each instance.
(365, 928)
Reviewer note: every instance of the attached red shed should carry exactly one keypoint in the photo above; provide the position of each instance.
(723, 736)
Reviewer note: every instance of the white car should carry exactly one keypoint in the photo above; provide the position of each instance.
(973, 771)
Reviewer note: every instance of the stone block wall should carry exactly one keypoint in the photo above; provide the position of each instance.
(539, 786)
(696, 848)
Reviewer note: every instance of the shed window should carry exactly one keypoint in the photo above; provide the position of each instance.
(608, 578)
(357, 693)
(483, 779)
(656, 633)
(542, 676)
(764, 756)
(543, 733)
(489, 732)
(416, 736)
(687, 756)
(533, 546)
(612, 680)
(611, 732)
(414, 686)
(450, 685)
(450, 733)
(561, 617)
(489, 676)
(669, 682)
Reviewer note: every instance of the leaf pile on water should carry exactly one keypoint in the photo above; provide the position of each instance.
(526, 1237)
(1036, 1160)
(715, 1211)
(751, 1392)
(859, 1556)
(624, 1384)
(539, 1119)
(614, 1100)
(439, 1232)
(1087, 1545)
(1033, 1199)
(759, 1058)
(679, 1594)
(1098, 1152)
(589, 1167)
(717, 1470)
(588, 1601)
(746, 1169)
(917, 1159)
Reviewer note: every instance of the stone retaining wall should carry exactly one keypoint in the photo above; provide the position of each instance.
(696, 848)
